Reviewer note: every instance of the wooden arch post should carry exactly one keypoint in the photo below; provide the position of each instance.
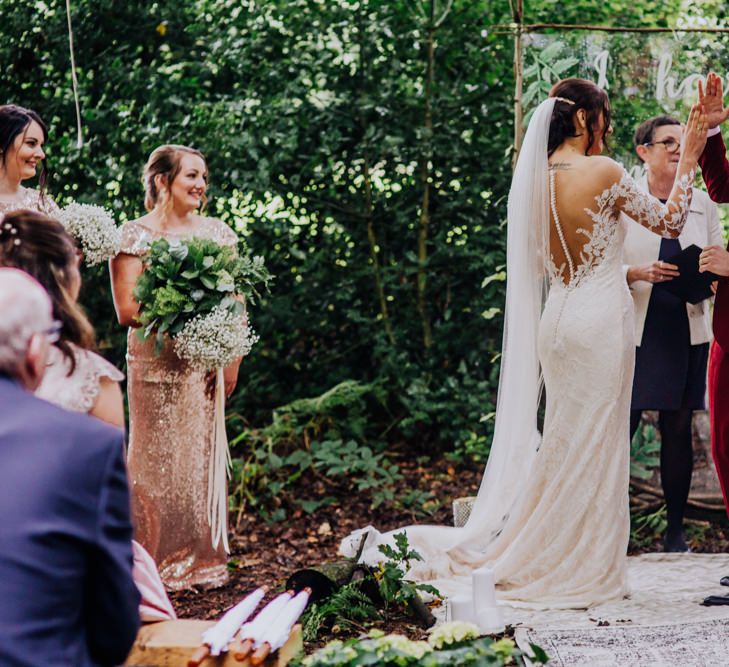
(517, 15)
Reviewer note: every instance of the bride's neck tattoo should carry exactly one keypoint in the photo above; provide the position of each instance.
(560, 165)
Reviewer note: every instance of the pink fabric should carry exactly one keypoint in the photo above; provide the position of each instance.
(155, 605)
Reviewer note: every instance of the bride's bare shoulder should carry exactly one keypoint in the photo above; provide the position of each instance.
(605, 170)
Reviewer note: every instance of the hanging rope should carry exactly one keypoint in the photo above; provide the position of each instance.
(74, 79)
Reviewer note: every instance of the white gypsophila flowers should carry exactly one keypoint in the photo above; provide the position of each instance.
(94, 229)
(452, 633)
(215, 339)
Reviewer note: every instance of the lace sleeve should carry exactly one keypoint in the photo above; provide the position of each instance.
(222, 233)
(665, 219)
(79, 390)
(90, 368)
(134, 239)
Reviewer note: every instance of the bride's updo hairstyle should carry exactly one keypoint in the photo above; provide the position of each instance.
(40, 246)
(585, 95)
(164, 161)
(14, 120)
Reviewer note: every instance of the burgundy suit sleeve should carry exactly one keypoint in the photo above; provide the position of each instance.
(715, 169)
(720, 318)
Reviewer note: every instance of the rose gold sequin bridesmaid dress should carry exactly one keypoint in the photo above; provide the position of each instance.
(171, 436)
(30, 200)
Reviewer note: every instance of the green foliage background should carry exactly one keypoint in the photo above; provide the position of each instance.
(362, 147)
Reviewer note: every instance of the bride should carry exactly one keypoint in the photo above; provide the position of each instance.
(551, 517)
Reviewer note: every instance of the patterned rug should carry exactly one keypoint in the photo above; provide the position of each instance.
(685, 645)
(660, 624)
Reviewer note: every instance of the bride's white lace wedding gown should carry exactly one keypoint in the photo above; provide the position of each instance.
(562, 542)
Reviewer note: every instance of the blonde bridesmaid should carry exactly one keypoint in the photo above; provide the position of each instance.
(171, 405)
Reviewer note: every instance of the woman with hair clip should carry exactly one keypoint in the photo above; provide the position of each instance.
(76, 377)
(551, 518)
(171, 404)
(22, 137)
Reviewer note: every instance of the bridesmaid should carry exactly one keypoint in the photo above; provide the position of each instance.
(171, 406)
(22, 137)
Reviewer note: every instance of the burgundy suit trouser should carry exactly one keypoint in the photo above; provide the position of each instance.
(719, 411)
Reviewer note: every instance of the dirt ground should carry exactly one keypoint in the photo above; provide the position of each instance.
(268, 554)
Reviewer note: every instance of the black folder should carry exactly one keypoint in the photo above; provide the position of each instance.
(691, 285)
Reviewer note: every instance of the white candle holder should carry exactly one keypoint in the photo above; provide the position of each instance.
(488, 616)
(460, 608)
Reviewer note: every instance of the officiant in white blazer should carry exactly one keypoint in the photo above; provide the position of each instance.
(672, 336)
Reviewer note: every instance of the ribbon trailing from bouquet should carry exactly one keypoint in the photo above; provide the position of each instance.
(219, 471)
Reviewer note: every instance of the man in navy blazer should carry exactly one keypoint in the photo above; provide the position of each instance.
(66, 591)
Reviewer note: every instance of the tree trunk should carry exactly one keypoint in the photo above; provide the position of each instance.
(374, 250)
(369, 204)
(425, 178)
(517, 11)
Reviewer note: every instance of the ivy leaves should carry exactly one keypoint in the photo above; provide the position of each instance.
(394, 588)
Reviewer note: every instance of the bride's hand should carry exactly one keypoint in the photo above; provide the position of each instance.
(694, 135)
(713, 100)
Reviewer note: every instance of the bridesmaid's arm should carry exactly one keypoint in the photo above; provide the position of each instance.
(109, 405)
(125, 270)
(230, 375)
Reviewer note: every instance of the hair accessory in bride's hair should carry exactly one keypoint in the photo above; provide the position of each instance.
(564, 99)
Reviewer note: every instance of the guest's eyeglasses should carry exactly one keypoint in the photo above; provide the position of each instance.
(53, 332)
(671, 145)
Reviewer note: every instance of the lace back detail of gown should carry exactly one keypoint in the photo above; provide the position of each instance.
(558, 225)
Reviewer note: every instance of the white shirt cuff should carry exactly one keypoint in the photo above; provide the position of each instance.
(713, 132)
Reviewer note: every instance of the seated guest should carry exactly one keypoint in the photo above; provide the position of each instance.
(672, 336)
(76, 378)
(67, 596)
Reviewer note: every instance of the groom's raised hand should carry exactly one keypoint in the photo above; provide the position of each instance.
(712, 100)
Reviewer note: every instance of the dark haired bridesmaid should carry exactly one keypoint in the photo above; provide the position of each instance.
(22, 137)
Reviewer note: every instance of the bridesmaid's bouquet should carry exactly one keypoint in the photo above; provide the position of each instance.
(191, 291)
(94, 229)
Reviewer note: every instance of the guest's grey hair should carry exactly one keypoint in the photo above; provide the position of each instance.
(25, 309)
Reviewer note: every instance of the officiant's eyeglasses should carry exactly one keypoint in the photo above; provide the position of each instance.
(671, 145)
